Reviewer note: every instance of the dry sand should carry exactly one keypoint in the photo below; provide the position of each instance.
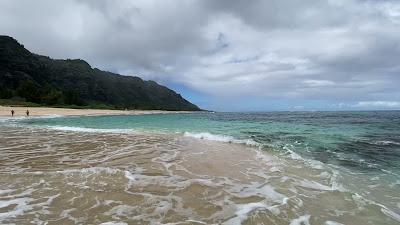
(43, 111)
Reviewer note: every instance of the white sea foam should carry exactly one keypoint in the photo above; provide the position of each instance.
(332, 223)
(391, 214)
(291, 153)
(92, 130)
(2, 192)
(21, 206)
(167, 181)
(122, 210)
(302, 220)
(243, 210)
(362, 201)
(384, 143)
(314, 185)
(90, 170)
(211, 137)
(49, 116)
(114, 223)
(256, 189)
(220, 138)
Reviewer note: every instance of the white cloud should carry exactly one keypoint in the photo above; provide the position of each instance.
(319, 83)
(378, 104)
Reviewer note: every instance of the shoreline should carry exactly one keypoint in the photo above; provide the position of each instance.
(5, 111)
(134, 172)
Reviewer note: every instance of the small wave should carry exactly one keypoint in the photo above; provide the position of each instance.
(361, 200)
(386, 143)
(8, 119)
(221, 138)
(114, 223)
(49, 116)
(390, 213)
(19, 118)
(90, 170)
(12, 119)
(92, 130)
(332, 223)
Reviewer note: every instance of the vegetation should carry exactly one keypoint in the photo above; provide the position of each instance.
(27, 78)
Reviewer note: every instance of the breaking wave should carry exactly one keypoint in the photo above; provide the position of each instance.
(221, 138)
(92, 130)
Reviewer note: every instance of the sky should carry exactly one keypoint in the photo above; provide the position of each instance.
(229, 55)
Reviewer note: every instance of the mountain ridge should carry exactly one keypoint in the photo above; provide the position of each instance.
(46, 81)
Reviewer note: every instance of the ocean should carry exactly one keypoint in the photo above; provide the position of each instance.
(202, 168)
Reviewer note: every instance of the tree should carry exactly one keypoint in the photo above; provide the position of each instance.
(29, 90)
(53, 97)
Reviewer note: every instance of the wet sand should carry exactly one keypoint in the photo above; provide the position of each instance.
(44, 111)
(63, 177)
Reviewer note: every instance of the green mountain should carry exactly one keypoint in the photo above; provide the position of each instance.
(40, 79)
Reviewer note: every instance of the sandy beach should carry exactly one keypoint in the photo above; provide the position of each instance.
(43, 111)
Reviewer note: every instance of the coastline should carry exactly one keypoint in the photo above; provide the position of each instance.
(5, 111)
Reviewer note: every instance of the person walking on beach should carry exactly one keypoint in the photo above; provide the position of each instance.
(27, 112)
(12, 112)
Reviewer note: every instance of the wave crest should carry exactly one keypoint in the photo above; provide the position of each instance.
(92, 130)
(221, 138)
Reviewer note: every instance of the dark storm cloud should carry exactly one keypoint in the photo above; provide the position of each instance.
(334, 49)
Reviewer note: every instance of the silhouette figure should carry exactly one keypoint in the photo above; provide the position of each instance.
(27, 112)
(12, 112)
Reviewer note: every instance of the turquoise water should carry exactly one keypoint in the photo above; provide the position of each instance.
(367, 141)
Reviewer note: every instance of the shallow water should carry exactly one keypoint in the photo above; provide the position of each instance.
(200, 169)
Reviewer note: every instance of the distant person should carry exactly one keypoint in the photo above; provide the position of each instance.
(27, 112)
(12, 112)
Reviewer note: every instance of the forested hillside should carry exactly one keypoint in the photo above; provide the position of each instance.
(46, 81)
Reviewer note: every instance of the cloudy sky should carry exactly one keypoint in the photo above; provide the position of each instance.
(229, 55)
